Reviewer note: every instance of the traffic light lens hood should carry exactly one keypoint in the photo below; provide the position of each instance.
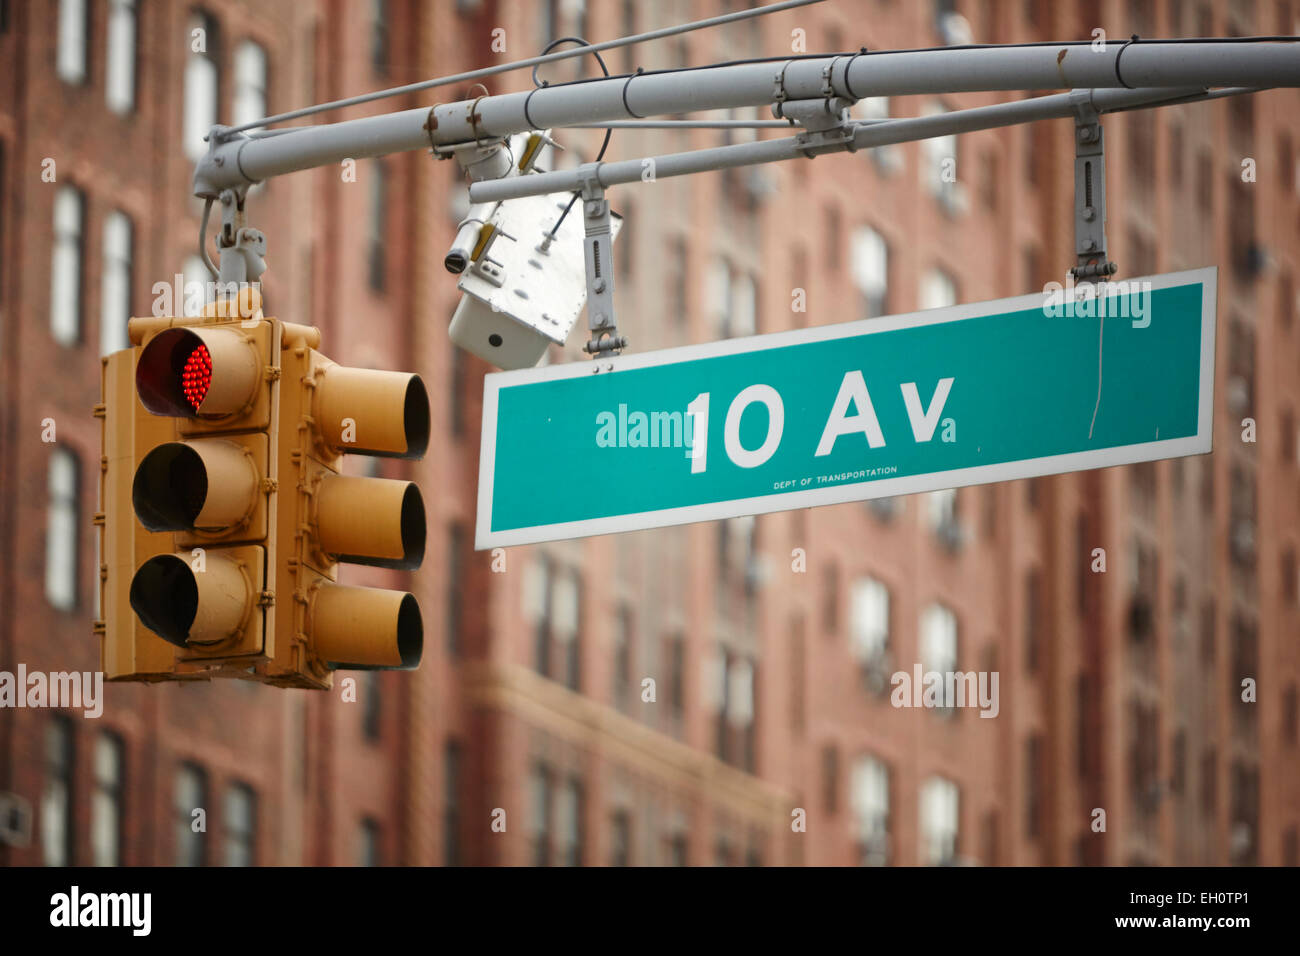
(170, 488)
(165, 596)
(206, 373)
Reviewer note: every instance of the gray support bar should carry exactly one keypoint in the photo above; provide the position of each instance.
(235, 162)
(865, 135)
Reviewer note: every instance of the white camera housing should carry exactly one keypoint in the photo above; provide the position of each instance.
(522, 294)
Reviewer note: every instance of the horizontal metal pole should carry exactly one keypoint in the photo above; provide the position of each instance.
(1235, 63)
(865, 135)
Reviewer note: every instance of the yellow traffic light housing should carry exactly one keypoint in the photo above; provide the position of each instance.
(225, 516)
(327, 410)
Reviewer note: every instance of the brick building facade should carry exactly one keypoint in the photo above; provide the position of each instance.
(770, 641)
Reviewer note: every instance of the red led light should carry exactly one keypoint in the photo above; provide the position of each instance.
(197, 376)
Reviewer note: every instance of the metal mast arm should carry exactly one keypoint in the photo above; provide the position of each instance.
(236, 160)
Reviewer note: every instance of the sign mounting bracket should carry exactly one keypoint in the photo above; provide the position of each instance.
(598, 253)
(1089, 191)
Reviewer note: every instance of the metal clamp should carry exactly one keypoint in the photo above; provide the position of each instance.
(598, 254)
(779, 94)
(242, 250)
(1089, 191)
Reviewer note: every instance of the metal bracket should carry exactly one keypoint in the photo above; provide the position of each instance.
(1089, 191)
(242, 249)
(598, 253)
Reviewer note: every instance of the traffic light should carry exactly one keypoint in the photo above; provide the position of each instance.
(224, 515)
(328, 410)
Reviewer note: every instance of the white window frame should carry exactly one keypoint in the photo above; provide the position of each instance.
(115, 282)
(938, 289)
(940, 821)
(70, 53)
(938, 643)
(106, 801)
(869, 619)
(202, 87)
(66, 266)
(61, 535)
(869, 794)
(869, 263)
(119, 60)
(250, 75)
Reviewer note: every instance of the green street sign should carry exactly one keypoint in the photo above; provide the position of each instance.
(1035, 385)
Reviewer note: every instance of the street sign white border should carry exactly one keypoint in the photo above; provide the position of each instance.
(1200, 443)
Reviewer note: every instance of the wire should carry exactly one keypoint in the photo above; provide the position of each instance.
(604, 145)
(203, 238)
(507, 67)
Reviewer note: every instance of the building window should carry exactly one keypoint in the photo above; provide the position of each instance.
(620, 838)
(455, 586)
(249, 103)
(379, 36)
(869, 624)
(939, 642)
(201, 84)
(65, 266)
(676, 675)
(1209, 781)
(368, 839)
(451, 785)
(372, 706)
(377, 266)
(870, 788)
(939, 815)
(119, 66)
(191, 794)
(941, 516)
(870, 264)
(830, 779)
(106, 804)
(56, 802)
(62, 530)
(939, 171)
(70, 61)
(115, 291)
(1291, 716)
(798, 676)
(240, 823)
(1033, 786)
(834, 256)
(565, 623)
(196, 277)
(539, 786)
(552, 597)
(456, 400)
(938, 290)
(569, 829)
(1033, 618)
(622, 656)
(740, 709)
(876, 109)
(679, 257)
(831, 600)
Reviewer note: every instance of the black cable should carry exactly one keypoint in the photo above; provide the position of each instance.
(604, 143)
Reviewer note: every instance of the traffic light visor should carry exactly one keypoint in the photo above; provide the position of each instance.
(197, 373)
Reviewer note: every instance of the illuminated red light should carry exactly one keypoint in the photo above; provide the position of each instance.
(197, 376)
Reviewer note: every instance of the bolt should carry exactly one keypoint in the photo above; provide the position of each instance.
(1089, 245)
(599, 285)
(1089, 214)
